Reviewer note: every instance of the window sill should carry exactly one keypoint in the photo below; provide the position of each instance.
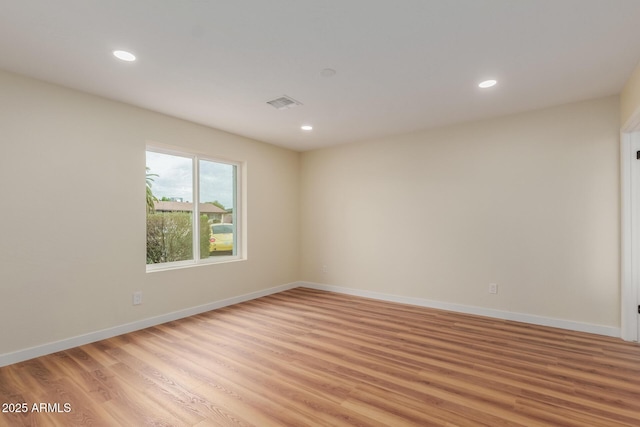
(153, 268)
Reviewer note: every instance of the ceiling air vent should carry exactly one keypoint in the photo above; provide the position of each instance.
(283, 103)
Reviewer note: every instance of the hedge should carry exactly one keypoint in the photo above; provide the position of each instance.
(170, 237)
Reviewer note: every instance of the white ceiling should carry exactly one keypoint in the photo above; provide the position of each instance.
(401, 65)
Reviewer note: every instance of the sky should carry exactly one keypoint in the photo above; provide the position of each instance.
(175, 179)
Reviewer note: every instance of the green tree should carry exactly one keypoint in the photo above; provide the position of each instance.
(205, 235)
(151, 199)
(170, 237)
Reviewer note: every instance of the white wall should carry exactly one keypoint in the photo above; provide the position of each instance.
(72, 215)
(529, 201)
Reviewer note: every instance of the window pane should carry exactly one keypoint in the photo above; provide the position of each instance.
(170, 210)
(217, 204)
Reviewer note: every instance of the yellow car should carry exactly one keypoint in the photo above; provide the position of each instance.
(221, 239)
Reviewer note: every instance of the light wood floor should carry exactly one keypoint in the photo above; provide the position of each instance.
(312, 358)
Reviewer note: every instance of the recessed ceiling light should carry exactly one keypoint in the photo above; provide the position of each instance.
(306, 127)
(487, 83)
(124, 55)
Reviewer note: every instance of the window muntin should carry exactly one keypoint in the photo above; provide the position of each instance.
(186, 187)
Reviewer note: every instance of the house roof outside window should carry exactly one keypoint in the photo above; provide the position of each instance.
(205, 208)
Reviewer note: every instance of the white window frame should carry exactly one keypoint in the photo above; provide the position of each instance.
(238, 214)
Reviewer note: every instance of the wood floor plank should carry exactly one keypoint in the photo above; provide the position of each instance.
(311, 358)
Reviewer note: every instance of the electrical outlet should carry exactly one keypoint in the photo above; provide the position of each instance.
(137, 298)
(324, 269)
(493, 288)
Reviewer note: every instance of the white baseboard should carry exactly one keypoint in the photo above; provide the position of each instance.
(41, 350)
(488, 312)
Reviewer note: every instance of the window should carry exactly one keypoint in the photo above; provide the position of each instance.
(192, 206)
